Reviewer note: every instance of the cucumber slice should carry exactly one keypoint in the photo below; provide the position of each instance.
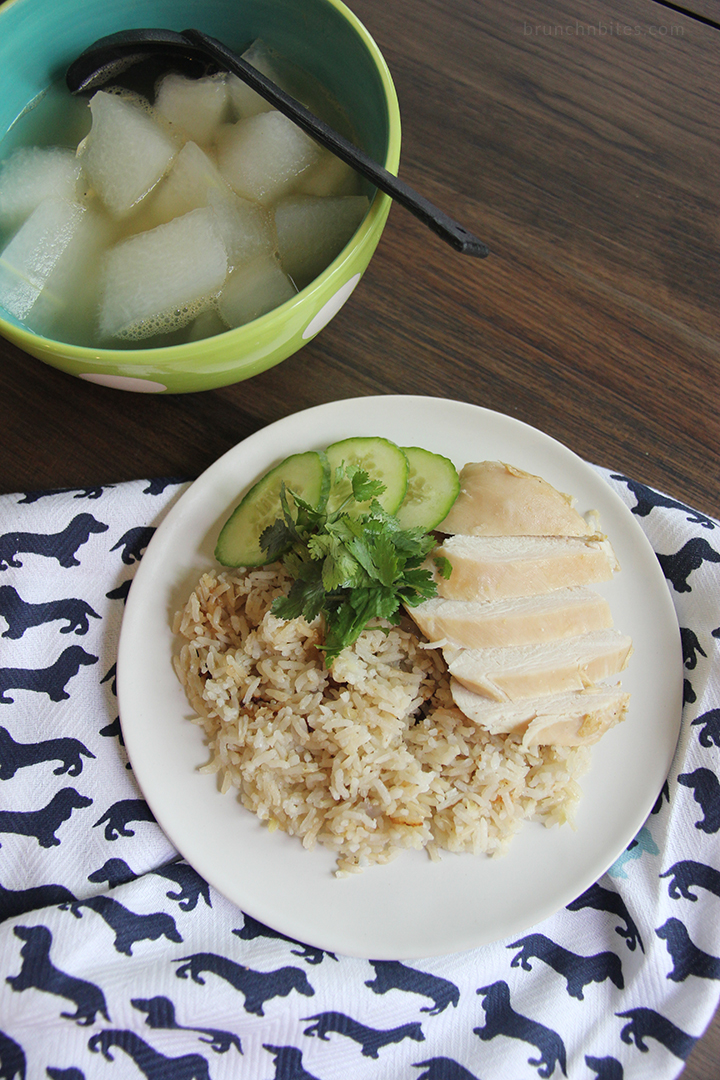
(381, 459)
(307, 474)
(433, 486)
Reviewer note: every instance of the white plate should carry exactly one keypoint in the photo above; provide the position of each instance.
(411, 908)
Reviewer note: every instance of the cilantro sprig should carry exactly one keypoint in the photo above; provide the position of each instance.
(350, 567)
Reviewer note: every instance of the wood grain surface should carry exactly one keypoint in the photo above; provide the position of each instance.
(582, 142)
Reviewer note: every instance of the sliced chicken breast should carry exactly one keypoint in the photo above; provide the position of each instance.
(500, 500)
(578, 718)
(476, 624)
(493, 567)
(530, 670)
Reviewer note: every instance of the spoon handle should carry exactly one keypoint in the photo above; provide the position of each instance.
(451, 231)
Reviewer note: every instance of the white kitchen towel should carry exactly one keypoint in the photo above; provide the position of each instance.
(117, 960)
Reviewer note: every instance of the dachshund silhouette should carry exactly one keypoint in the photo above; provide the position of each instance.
(112, 731)
(606, 1068)
(118, 816)
(20, 901)
(121, 592)
(257, 987)
(157, 485)
(288, 1063)
(151, 1062)
(392, 975)
(21, 615)
(12, 1059)
(65, 1074)
(50, 680)
(191, 887)
(678, 566)
(253, 929)
(501, 1019)
(133, 543)
(160, 1016)
(82, 493)
(642, 843)
(686, 957)
(14, 755)
(691, 647)
(689, 697)
(442, 1068)
(38, 973)
(709, 722)
(706, 792)
(648, 1024)
(43, 823)
(600, 899)
(128, 926)
(61, 546)
(647, 499)
(370, 1039)
(578, 971)
(111, 677)
(687, 874)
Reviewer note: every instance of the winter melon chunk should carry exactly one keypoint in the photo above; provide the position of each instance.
(126, 152)
(150, 286)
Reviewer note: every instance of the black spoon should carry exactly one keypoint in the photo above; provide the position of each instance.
(197, 53)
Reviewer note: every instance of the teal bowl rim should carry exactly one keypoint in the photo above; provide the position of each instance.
(373, 220)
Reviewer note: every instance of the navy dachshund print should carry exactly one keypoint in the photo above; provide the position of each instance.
(257, 987)
(442, 1068)
(132, 544)
(687, 875)
(190, 886)
(118, 817)
(371, 1040)
(502, 1019)
(678, 566)
(648, 499)
(129, 927)
(252, 929)
(160, 1015)
(61, 546)
(13, 1064)
(644, 1023)
(20, 901)
(706, 792)
(16, 755)
(39, 973)
(20, 615)
(709, 724)
(50, 680)
(288, 1062)
(43, 824)
(392, 975)
(686, 957)
(605, 1068)
(578, 971)
(151, 1062)
(599, 898)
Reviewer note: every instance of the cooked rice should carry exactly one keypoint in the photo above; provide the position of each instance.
(368, 757)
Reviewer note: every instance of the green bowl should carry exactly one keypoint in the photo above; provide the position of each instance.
(39, 39)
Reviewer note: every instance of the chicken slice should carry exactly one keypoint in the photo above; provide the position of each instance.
(577, 718)
(530, 670)
(477, 624)
(500, 500)
(493, 567)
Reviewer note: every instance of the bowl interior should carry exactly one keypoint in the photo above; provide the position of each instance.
(40, 38)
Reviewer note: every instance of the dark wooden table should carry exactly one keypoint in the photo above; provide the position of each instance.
(582, 141)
